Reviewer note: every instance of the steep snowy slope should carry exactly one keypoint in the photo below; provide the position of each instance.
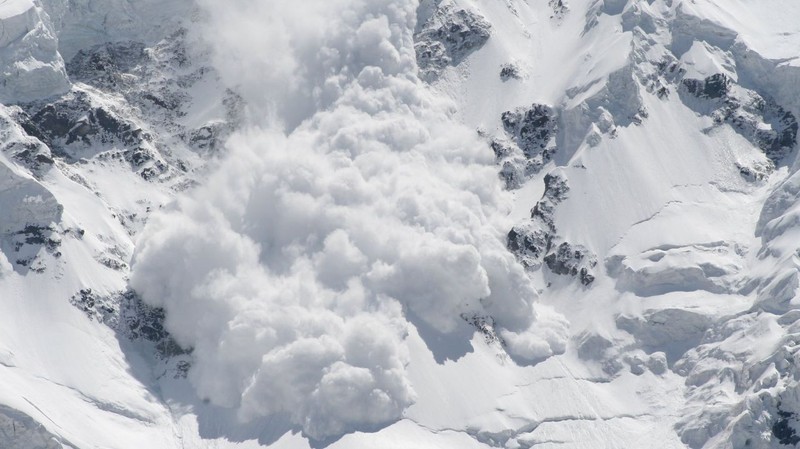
(665, 190)
(130, 125)
(397, 224)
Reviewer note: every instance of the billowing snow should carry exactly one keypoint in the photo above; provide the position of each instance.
(326, 231)
(292, 298)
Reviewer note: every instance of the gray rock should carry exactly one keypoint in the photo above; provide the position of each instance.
(531, 240)
(510, 71)
(531, 141)
(447, 38)
(533, 129)
(572, 260)
(755, 117)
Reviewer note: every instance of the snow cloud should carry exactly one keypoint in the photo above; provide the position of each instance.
(349, 199)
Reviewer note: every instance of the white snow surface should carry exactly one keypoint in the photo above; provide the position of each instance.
(32, 66)
(339, 268)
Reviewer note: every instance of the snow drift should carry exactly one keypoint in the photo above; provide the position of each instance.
(350, 205)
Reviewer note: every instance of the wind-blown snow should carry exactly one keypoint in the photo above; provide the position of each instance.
(294, 272)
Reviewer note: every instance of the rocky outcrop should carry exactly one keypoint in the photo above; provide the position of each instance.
(572, 260)
(79, 121)
(104, 66)
(536, 240)
(28, 224)
(715, 86)
(559, 9)
(126, 107)
(757, 118)
(529, 145)
(533, 129)
(447, 38)
(126, 313)
(531, 240)
(122, 116)
(510, 71)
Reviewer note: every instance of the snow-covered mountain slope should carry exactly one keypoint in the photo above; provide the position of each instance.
(449, 224)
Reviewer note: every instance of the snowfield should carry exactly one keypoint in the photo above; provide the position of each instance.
(399, 224)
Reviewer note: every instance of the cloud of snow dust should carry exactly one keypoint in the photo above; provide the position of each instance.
(351, 198)
(5, 265)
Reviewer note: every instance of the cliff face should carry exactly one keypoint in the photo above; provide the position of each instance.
(452, 223)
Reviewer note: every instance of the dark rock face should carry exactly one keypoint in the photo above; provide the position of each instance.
(555, 189)
(104, 65)
(559, 9)
(29, 152)
(783, 136)
(783, 430)
(138, 74)
(139, 321)
(78, 126)
(533, 129)
(26, 244)
(760, 120)
(776, 140)
(509, 72)
(668, 72)
(34, 156)
(447, 38)
(77, 120)
(141, 158)
(515, 171)
(532, 142)
(715, 86)
(529, 243)
(39, 235)
(127, 314)
(93, 305)
(534, 241)
(122, 89)
(572, 260)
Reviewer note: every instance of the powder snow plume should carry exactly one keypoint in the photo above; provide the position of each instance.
(350, 202)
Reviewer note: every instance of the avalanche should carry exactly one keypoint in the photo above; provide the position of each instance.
(375, 223)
